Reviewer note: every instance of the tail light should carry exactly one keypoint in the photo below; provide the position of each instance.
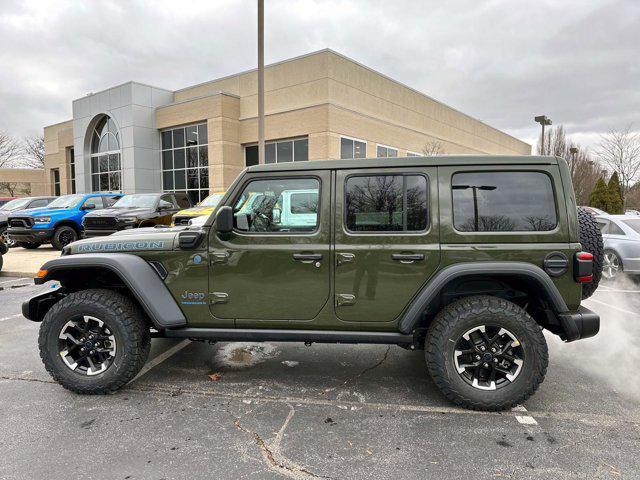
(583, 267)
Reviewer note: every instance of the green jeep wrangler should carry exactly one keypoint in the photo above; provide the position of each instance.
(466, 257)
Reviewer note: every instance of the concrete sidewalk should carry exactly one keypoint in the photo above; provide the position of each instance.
(19, 262)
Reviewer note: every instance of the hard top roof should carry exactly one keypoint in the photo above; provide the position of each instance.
(440, 160)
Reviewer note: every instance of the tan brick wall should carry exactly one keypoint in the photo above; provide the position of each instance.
(26, 181)
(58, 139)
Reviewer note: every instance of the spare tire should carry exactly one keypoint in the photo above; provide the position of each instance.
(591, 241)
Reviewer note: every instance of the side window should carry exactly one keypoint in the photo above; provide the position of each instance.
(39, 203)
(268, 206)
(604, 226)
(503, 202)
(109, 201)
(183, 200)
(95, 201)
(386, 203)
(615, 229)
(166, 202)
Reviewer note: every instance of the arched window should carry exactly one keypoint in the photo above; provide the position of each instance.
(106, 170)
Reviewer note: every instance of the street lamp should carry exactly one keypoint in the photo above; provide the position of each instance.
(475, 189)
(573, 151)
(261, 81)
(542, 120)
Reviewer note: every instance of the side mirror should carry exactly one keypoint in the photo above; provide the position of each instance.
(224, 220)
(89, 206)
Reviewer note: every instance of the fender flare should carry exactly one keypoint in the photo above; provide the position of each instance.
(413, 314)
(140, 277)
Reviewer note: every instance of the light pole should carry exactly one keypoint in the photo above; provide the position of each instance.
(542, 120)
(573, 151)
(261, 81)
(475, 189)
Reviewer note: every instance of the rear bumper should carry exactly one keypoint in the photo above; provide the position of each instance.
(30, 235)
(578, 325)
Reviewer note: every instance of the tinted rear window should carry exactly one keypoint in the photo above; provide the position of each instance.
(503, 202)
(635, 224)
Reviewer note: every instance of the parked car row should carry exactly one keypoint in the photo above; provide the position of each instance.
(33, 221)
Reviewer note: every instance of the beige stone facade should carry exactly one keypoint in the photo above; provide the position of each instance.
(322, 96)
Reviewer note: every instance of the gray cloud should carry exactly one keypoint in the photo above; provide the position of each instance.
(501, 61)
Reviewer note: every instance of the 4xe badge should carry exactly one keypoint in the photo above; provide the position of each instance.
(193, 298)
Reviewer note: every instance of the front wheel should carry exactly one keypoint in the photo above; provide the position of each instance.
(486, 353)
(63, 236)
(94, 341)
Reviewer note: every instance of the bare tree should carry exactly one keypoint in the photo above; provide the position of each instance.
(9, 150)
(433, 148)
(33, 152)
(619, 151)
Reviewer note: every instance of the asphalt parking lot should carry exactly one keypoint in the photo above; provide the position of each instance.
(326, 411)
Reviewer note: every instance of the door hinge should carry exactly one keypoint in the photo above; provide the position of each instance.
(218, 297)
(342, 258)
(345, 299)
(219, 257)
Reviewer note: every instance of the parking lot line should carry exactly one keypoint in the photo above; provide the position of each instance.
(10, 317)
(15, 280)
(612, 306)
(161, 358)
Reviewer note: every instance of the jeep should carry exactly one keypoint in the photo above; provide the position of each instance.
(205, 207)
(133, 211)
(59, 223)
(468, 258)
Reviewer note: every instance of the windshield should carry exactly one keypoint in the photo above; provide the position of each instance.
(212, 200)
(66, 201)
(635, 224)
(15, 204)
(136, 201)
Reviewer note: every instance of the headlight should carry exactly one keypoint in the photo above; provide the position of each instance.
(127, 220)
(42, 219)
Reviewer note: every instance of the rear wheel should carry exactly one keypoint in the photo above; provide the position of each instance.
(63, 236)
(5, 238)
(485, 353)
(612, 266)
(94, 341)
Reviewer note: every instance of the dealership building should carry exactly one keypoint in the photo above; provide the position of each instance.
(140, 138)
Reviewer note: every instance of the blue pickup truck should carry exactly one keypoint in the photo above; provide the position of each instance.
(59, 223)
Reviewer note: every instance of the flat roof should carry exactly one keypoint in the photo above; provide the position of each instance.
(439, 160)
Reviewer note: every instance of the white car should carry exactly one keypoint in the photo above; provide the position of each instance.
(621, 236)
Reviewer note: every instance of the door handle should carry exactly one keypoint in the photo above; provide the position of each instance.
(407, 257)
(307, 257)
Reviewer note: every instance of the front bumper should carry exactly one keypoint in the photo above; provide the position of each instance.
(30, 235)
(579, 325)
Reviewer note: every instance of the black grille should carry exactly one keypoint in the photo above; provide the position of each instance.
(181, 220)
(21, 222)
(98, 223)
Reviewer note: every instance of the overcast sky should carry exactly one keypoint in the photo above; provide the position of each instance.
(501, 61)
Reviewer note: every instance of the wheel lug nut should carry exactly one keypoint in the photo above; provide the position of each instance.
(493, 350)
(486, 365)
(495, 360)
(477, 357)
(482, 348)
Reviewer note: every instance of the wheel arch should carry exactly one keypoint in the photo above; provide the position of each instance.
(467, 279)
(66, 223)
(121, 271)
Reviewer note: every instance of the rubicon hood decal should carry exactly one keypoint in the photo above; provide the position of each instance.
(121, 246)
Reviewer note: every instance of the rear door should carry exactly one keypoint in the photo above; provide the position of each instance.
(386, 240)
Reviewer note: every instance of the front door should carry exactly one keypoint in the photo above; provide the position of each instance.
(386, 240)
(275, 265)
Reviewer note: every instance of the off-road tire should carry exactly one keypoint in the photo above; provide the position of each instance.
(591, 241)
(125, 320)
(57, 239)
(28, 245)
(459, 317)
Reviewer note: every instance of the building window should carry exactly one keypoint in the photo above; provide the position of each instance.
(413, 154)
(56, 181)
(185, 161)
(386, 203)
(352, 148)
(72, 170)
(503, 202)
(106, 167)
(383, 151)
(279, 151)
